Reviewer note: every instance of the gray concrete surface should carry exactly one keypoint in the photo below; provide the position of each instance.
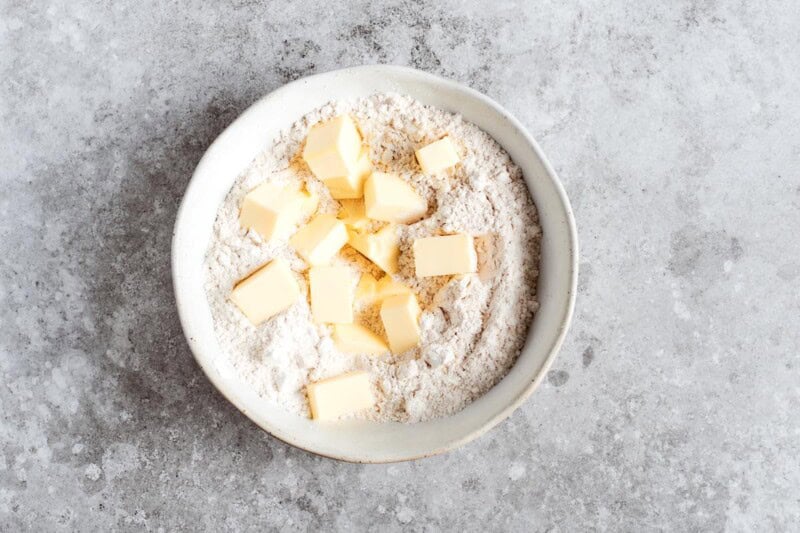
(675, 127)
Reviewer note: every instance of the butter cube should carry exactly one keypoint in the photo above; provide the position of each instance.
(389, 198)
(272, 210)
(370, 290)
(353, 213)
(332, 148)
(342, 395)
(351, 185)
(266, 292)
(387, 287)
(356, 339)
(320, 240)
(400, 316)
(442, 256)
(331, 294)
(367, 289)
(381, 247)
(437, 156)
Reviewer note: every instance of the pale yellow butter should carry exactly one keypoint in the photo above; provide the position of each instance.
(367, 289)
(351, 185)
(266, 292)
(381, 247)
(400, 317)
(345, 394)
(437, 156)
(332, 148)
(353, 213)
(273, 210)
(356, 339)
(319, 240)
(389, 198)
(331, 294)
(370, 290)
(446, 255)
(387, 287)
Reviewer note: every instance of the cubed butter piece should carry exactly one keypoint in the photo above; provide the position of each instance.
(331, 294)
(367, 289)
(370, 290)
(353, 213)
(333, 147)
(319, 240)
(442, 256)
(351, 185)
(387, 287)
(266, 292)
(356, 339)
(389, 198)
(400, 317)
(437, 156)
(381, 247)
(342, 395)
(272, 210)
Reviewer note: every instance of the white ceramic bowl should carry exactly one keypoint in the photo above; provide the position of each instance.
(361, 441)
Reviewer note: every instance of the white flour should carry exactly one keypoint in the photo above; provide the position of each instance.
(473, 328)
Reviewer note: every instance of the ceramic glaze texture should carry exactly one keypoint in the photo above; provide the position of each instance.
(675, 129)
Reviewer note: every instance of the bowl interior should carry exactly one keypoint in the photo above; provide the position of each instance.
(363, 441)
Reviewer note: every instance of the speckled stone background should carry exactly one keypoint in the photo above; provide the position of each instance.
(674, 405)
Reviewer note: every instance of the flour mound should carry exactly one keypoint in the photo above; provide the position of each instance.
(473, 327)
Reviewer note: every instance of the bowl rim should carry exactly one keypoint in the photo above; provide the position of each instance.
(565, 320)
